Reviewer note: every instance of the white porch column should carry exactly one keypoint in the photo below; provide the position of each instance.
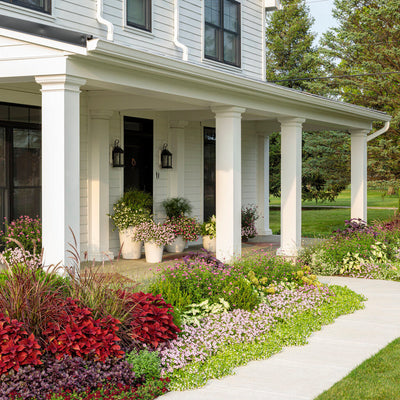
(291, 130)
(359, 173)
(263, 184)
(60, 166)
(99, 171)
(228, 181)
(176, 142)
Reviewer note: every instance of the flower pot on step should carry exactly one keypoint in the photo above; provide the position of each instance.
(153, 252)
(177, 246)
(130, 250)
(210, 244)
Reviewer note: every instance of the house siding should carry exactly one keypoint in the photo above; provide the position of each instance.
(80, 16)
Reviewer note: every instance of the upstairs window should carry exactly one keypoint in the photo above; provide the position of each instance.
(38, 5)
(222, 31)
(139, 14)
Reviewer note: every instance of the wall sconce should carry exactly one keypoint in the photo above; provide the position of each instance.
(166, 157)
(117, 155)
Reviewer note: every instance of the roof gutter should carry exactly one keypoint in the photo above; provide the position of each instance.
(101, 20)
(177, 43)
(380, 132)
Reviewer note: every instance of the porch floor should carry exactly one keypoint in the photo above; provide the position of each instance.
(140, 270)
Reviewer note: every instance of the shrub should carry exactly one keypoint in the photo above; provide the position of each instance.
(79, 334)
(25, 230)
(31, 296)
(69, 374)
(145, 364)
(152, 319)
(16, 346)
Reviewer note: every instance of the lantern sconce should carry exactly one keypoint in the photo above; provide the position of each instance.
(166, 157)
(117, 155)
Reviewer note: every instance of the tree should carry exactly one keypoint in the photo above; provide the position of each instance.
(367, 41)
(290, 55)
(290, 50)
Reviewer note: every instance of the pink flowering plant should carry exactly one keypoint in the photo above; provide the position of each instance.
(25, 230)
(249, 218)
(184, 226)
(151, 232)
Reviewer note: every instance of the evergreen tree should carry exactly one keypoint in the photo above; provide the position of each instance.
(367, 41)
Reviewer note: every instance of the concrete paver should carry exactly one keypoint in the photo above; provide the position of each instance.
(301, 373)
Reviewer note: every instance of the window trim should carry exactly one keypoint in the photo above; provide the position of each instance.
(148, 16)
(220, 40)
(20, 3)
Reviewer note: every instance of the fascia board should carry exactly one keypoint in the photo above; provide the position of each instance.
(67, 49)
(165, 66)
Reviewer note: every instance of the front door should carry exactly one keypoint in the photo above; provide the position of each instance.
(138, 152)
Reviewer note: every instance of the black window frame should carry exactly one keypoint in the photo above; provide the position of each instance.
(21, 3)
(147, 26)
(220, 35)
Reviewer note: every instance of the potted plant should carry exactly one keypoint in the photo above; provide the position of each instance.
(249, 218)
(155, 236)
(209, 232)
(185, 229)
(131, 210)
(176, 207)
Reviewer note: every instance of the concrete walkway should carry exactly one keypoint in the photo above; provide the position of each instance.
(302, 373)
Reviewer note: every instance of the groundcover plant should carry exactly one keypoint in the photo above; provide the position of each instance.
(96, 335)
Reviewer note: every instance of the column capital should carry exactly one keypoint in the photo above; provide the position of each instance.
(359, 132)
(60, 82)
(227, 111)
(294, 121)
(101, 114)
(179, 124)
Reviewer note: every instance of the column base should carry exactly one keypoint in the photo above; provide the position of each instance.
(100, 257)
(265, 232)
(288, 251)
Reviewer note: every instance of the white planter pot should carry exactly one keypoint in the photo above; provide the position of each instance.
(177, 246)
(210, 244)
(130, 250)
(153, 252)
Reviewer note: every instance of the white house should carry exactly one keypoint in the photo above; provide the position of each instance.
(77, 75)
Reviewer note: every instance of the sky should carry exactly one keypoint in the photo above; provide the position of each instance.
(321, 10)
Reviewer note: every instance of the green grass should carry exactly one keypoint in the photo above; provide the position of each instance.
(376, 378)
(375, 199)
(324, 221)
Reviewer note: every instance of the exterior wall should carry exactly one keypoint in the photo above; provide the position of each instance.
(80, 16)
(84, 163)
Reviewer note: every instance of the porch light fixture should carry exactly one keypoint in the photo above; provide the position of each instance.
(166, 157)
(117, 155)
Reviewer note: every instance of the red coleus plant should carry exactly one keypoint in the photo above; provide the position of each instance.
(16, 346)
(79, 334)
(151, 318)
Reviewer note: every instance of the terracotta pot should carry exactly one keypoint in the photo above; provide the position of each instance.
(130, 250)
(210, 244)
(177, 246)
(153, 252)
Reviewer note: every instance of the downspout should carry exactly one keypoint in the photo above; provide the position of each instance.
(101, 20)
(380, 132)
(177, 43)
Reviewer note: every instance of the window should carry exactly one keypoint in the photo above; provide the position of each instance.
(209, 173)
(222, 31)
(38, 5)
(139, 14)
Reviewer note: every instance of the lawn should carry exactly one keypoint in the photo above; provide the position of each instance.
(324, 221)
(375, 199)
(376, 378)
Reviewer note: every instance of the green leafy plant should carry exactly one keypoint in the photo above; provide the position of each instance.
(132, 209)
(196, 312)
(176, 207)
(209, 228)
(145, 364)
